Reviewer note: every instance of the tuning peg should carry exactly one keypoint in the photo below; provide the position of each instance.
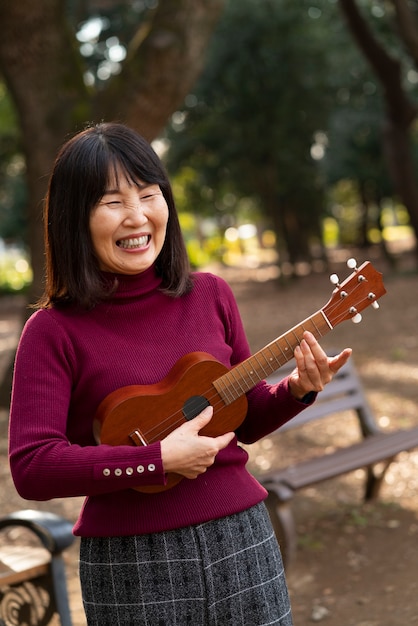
(352, 264)
(356, 316)
(334, 279)
(372, 296)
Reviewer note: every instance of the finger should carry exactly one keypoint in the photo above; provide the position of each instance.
(303, 355)
(223, 440)
(315, 361)
(341, 359)
(205, 416)
(200, 421)
(312, 349)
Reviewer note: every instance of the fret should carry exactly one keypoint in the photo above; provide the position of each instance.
(285, 357)
(223, 388)
(296, 337)
(237, 382)
(288, 343)
(274, 356)
(252, 375)
(317, 332)
(259, 366)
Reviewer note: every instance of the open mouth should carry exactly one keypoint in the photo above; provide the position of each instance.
(134, 242)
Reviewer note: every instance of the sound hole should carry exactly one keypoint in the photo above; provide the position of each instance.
(193, 406)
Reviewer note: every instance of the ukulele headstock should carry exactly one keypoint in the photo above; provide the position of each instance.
(361, 289)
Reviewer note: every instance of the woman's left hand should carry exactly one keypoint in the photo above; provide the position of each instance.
(314, 368)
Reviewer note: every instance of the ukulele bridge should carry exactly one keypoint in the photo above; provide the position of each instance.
(137, 438)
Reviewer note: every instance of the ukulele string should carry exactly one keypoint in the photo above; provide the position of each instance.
(341, 316)
(178, 421)
(209, 395)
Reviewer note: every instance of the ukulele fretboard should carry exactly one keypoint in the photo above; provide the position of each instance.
(247, 374)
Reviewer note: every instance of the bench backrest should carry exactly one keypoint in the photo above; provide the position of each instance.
(345, 392)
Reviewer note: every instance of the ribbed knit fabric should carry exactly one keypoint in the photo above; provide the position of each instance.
(69, 360)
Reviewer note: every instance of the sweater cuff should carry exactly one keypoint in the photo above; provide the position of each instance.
(308, 398)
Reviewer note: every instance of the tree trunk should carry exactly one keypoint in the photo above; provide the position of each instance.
(162, 66)
(398, 151)
(401, 112)
(43, 75)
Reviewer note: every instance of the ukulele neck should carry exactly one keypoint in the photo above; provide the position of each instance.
(262, 364)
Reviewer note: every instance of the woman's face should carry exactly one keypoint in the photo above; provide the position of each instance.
(128, 226)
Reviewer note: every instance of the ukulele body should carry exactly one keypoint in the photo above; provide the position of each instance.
(143, 414)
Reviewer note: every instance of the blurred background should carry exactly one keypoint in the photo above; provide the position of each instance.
(289, 130)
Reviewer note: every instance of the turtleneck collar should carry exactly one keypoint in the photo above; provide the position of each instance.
(134, 285)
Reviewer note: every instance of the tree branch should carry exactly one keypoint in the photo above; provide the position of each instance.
(387, 69)
(408, 27)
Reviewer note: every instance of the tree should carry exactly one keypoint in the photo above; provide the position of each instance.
(256, 108)
(353, 156)
(44, 71)
(400, 110)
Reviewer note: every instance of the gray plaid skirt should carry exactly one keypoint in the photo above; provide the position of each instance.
(227, 572)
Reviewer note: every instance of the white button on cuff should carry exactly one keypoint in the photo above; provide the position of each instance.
(118, 472)
(129, 471)
(140, 469)
(151, 467)
(106, 472)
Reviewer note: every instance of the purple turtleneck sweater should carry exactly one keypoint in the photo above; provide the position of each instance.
(69, 360)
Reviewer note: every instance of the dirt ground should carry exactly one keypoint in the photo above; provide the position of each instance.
(356, 564)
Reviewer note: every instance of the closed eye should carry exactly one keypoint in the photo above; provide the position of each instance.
(148, 196)
(110, 202)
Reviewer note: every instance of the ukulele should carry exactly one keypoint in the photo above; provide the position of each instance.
(143, 414)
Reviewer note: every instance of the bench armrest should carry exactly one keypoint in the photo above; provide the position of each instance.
(54, 531)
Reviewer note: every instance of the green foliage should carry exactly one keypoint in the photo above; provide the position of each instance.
(12, 171)
(15, 271)
(104, 34)
(354, 132)
(248, 128)
(287, 113)
(287, 109)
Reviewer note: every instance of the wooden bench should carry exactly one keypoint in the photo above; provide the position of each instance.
(374, 452)
(32, 577)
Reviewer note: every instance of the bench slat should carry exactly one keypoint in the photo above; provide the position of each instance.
(19, 563)
(373, 449)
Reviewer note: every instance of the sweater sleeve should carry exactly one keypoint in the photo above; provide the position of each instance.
(44, 463)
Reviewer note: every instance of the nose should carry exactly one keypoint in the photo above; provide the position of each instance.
(135, 213)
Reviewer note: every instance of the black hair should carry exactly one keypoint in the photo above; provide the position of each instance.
(77, 183)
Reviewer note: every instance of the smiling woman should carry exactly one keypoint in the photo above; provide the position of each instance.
(121, 310)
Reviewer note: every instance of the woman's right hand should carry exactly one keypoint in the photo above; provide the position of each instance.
(186, 452)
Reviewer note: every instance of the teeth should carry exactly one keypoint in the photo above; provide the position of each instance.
(136, 242)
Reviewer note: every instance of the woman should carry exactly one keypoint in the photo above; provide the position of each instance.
(121, 308)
